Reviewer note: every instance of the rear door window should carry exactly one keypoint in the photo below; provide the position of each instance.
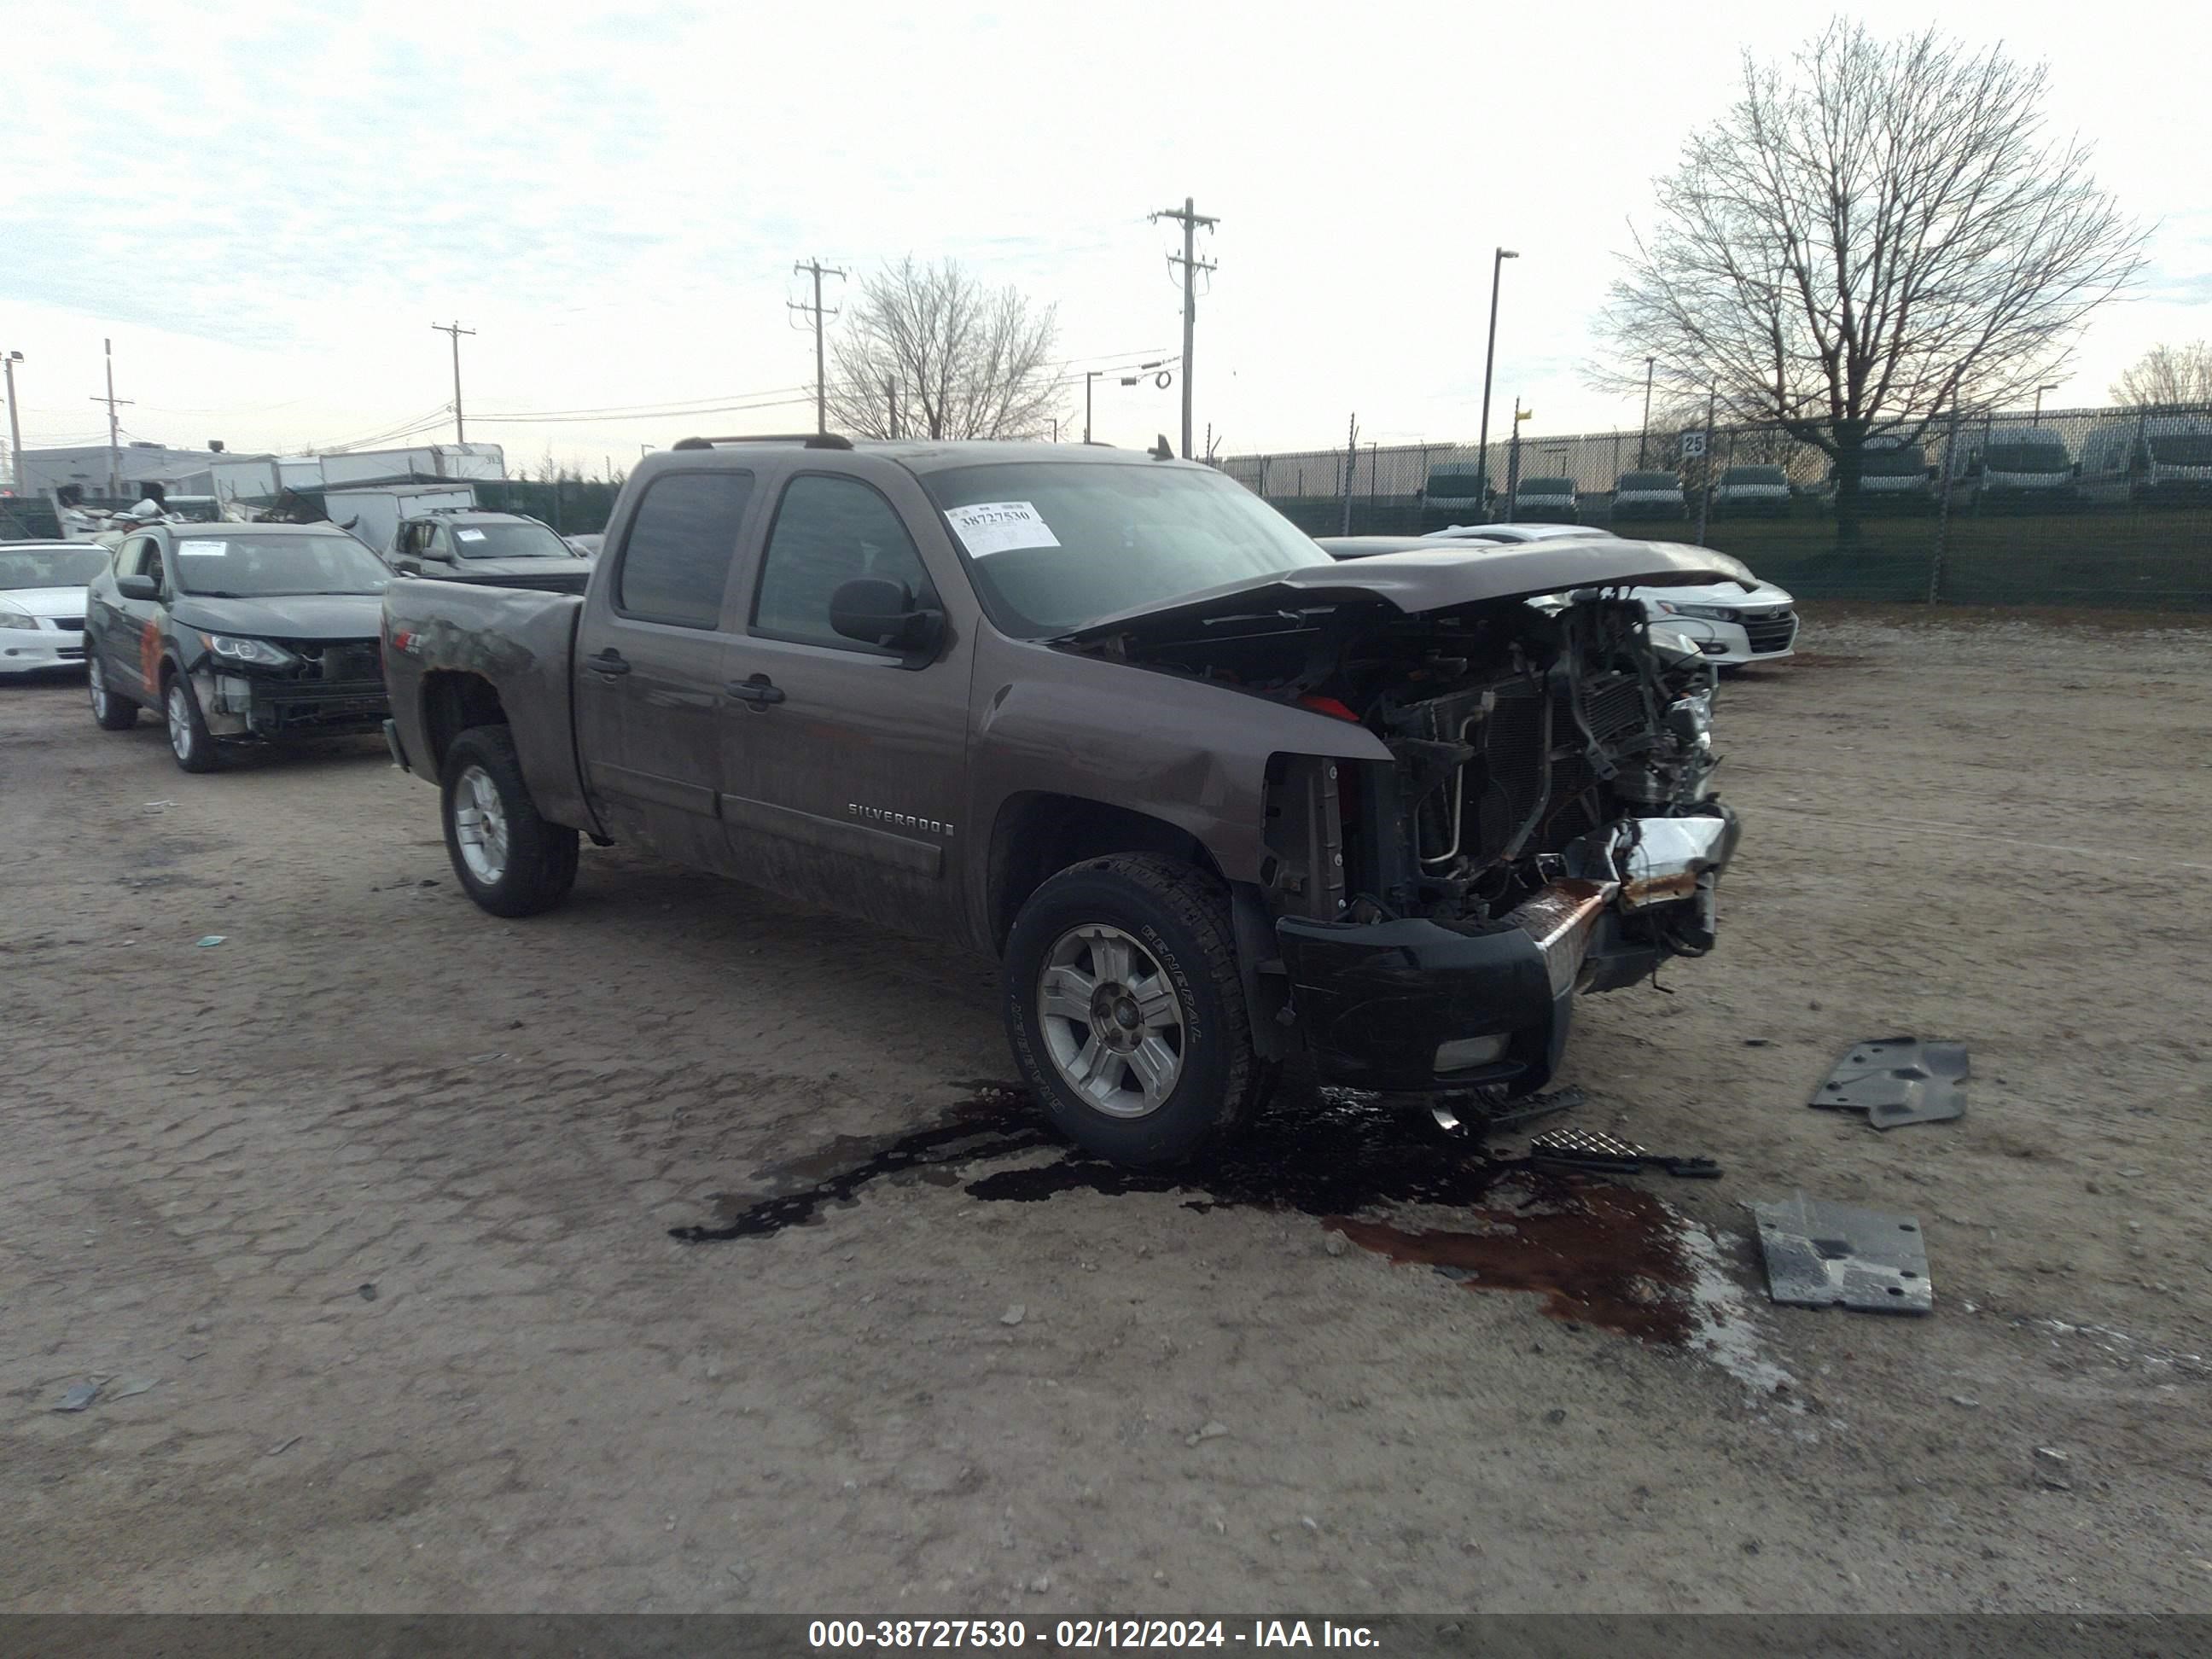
(675, 557)
(830, 531)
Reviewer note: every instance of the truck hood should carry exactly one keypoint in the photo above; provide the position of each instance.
(285, 616)
(1414, 583)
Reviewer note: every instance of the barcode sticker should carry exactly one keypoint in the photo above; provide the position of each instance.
(990, 527)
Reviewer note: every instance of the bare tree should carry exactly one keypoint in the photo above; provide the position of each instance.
(1873, 235)
(960, 360)
(2168, 375)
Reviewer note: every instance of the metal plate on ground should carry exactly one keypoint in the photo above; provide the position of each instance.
(1897, 1080)
(1822, 1255)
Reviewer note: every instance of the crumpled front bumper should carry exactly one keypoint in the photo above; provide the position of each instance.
(1418, 1005)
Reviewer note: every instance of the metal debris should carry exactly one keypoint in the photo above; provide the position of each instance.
(212, 940)
(1821, 1254)
(1896, 1080)
(1592, 1150)
(1536, 1106)
(79, 1397)
(131, 1385)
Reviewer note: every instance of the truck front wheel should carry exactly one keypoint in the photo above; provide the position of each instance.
(509, 860)
(1126, 1010)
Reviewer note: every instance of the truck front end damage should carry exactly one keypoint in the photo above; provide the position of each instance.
(1545, 827)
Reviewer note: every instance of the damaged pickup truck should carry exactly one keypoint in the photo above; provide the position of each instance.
(1211, 796)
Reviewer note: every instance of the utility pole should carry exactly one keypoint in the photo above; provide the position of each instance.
(1190, 219)
(8, 361)
(1089, 375)
(1644, 436)
(1513, 460)
(890, 403)
(1489, 358)
(115, 460)
(821, 361)
(454, 329)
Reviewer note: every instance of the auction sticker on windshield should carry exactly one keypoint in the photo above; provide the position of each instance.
(468, 535)
(201, 549)
(1000, 527)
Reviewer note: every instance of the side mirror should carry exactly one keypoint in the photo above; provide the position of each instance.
(882, 613)
(138, 588)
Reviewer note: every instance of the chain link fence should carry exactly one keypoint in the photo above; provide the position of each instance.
(2086, 507)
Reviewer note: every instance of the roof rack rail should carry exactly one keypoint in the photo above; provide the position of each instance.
(810, 440)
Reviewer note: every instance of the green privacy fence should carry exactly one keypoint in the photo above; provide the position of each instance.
(2084, 507)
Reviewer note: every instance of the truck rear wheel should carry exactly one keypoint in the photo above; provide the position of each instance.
(509, 860)
(1126, 1010)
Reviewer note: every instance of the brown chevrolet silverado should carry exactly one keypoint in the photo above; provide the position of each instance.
(1211, 796)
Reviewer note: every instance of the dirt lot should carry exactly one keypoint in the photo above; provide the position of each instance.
(378, 1193)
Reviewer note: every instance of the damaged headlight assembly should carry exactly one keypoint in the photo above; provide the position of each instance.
(259, 652)
(1710, 612)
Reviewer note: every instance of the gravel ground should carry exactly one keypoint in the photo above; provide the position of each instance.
(378, 1194)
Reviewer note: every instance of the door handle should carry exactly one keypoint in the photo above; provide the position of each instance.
(609, 662)
(758, 691)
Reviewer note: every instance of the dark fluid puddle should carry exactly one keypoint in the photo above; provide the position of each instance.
(1598, 1254)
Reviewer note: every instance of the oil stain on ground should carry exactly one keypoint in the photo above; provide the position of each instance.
(1597, 1253)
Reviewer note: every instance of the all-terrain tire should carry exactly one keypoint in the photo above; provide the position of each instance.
(112, 712)
(537, 865)
(1177, 917)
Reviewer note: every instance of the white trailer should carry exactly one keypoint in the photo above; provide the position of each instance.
(372, 512)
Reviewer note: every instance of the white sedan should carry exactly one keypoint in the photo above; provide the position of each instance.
(1730, 626)
(42, 603)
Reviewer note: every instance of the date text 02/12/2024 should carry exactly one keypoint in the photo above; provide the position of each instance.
(1086, 1633)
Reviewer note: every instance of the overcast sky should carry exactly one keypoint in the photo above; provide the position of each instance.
(266, 207)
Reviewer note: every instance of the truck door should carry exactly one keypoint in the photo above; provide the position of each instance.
(651, 658)
(845, 763)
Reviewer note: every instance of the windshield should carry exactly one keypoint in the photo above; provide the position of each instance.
(1901, 463)
(50, 566)
(1650, 481)
(1753, 475)
(1054, 545)
(509, 541)
(2182, 449)
(2026, 457)
(1547, 487)
(264, 567)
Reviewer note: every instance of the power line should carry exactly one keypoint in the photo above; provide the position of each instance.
(821, 364)
(455, 330)
(1190, 219)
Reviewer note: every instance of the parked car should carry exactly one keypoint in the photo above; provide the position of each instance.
(1649, 495)
(238, 634)
(1744, 492)
(1728, 625)
(1459, 487)
(499, 549)
(2152, 458)
(1545, 501)
(1210, 797)
(42, 597)
(2016, 467)
(1893, 475)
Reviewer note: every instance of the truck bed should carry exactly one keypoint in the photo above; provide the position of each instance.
(450, 645)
